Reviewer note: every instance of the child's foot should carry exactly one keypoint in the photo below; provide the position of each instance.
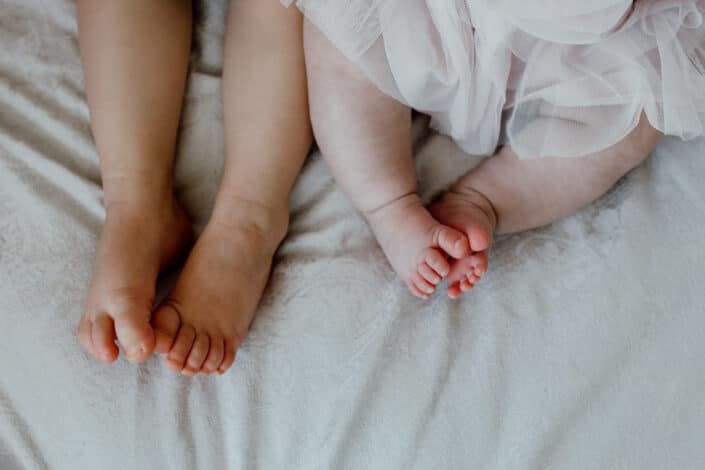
(469, 211)
(417, 246)
(208, 313)
(138, 239)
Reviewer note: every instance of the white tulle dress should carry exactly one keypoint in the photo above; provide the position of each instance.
(549, 77)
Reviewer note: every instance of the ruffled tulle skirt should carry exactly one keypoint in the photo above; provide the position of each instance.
(549, 77)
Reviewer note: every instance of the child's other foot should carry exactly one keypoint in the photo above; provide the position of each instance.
(472, 213)
(417, 246)
(138, 239)
(208, 313)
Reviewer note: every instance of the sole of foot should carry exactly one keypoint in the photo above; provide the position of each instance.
(137, 241)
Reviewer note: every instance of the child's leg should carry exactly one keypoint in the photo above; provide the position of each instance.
(511, 195)
(135, 59)
(268, 135)
(366, 139)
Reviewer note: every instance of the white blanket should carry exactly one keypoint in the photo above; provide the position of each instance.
(583, 348)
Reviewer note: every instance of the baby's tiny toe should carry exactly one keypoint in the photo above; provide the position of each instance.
(182, 346)
(198, 354)
(436, 261)
(229, 357)
(422, 285)
(215, 355)
(465, 285)
(473, 279)
(103, 339)
(454, 291)
(415, 291)
(429, 274)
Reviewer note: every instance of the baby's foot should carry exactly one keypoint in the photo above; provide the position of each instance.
(469, 211)
(417, 246)
(138, 239)
(208, 313)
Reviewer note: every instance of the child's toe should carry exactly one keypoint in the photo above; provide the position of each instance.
(166, 322)
(198, 354)
(422, 285)
(103, 339)
(479, 237)
(454, 291)
(429, 274)
(229, 356)
(480, 263)
(453, 242)
(215, 355)
(465, 285)
(181, 348)
(135, 334)
(435, 260)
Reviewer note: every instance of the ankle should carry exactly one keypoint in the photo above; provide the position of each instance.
(136, 195)
(268, 222)
(477, 199)
(393, 218)
(394, 208)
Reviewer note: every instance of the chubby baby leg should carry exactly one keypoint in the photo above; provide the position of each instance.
(365, 137)
(512, 195)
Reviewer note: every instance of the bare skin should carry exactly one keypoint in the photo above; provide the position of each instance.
(135, 131)
(365, 137)
(206, 316)
(371, 161)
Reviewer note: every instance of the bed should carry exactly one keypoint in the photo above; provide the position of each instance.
(582, 348)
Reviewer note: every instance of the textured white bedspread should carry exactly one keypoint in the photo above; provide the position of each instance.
(583, 348)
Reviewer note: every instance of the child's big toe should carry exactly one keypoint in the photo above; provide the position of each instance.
(480, 238)
(135, 335)
(453, 242)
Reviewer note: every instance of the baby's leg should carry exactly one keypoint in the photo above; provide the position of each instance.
(513, 195)
(268, 135)
(366, 138)
(135, 59)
